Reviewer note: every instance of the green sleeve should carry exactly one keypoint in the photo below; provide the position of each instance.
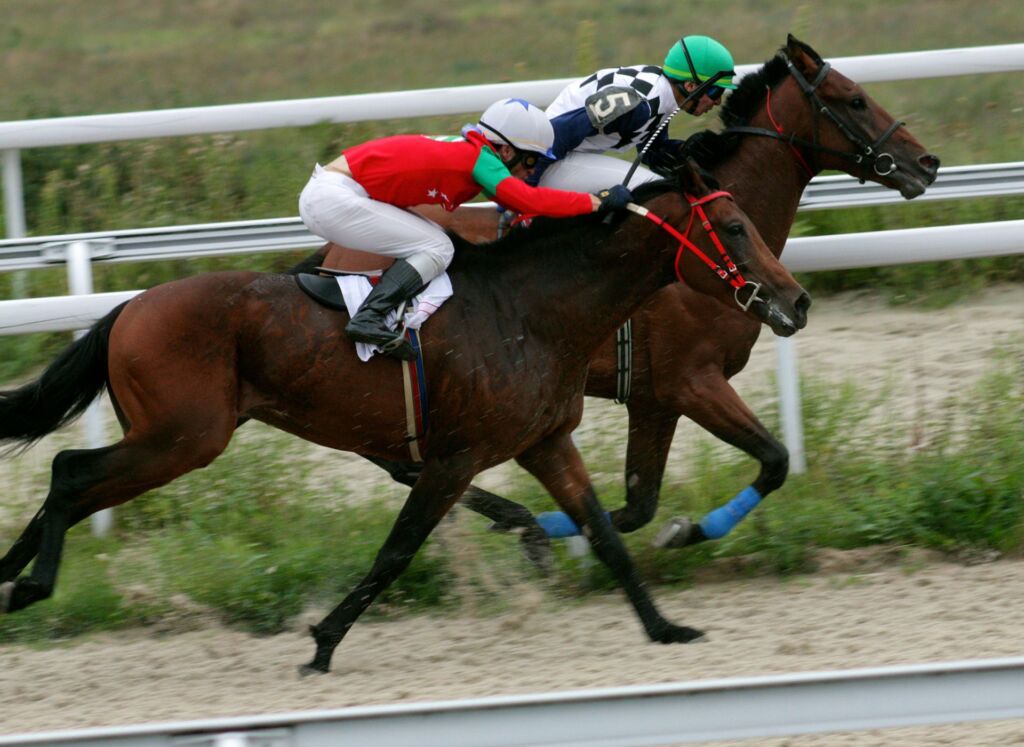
(489, 171)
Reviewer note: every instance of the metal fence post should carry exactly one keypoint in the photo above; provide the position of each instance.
(14, 204)
(80, 283)
(789, 405)
(14, 213)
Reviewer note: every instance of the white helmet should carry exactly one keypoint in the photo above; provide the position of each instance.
(518, 123)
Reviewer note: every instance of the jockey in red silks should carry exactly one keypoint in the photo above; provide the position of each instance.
(359, 200)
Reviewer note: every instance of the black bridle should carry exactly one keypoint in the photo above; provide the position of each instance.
(867, 153)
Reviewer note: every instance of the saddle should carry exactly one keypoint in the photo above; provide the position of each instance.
(323, 288)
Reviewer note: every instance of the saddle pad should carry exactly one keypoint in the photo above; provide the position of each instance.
(355, 289)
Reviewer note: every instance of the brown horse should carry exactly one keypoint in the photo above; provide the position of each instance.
(790, 119)
(506, 362)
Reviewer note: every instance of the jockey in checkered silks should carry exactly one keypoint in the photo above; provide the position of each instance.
(616, 109)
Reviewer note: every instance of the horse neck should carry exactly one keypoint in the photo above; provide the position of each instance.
(766, 179)
(578, 304)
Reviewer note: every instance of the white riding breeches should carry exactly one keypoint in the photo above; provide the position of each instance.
(336, 208)
(592, 172)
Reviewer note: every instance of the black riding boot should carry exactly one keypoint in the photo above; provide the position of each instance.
(399, 283)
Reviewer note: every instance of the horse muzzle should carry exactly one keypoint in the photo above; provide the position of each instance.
(785, 322)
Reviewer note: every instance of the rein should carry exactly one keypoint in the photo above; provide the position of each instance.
(729, 272)
(882, 163)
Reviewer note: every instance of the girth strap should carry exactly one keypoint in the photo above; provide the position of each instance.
(415, 385)
(623, 362)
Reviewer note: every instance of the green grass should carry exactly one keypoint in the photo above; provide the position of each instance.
(242, 541)
(125, 55)
(66, 58)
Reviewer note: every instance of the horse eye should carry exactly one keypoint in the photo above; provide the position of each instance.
(735, 229)
(858, 103)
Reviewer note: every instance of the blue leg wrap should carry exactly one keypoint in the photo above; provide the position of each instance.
(558, 525)
(721, 521)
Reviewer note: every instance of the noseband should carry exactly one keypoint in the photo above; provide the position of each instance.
(727, 270)
(867, 153)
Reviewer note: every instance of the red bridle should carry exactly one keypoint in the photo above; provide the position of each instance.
(729, 273)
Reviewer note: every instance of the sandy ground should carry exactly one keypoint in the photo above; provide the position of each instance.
(870, 610)
(871, 616)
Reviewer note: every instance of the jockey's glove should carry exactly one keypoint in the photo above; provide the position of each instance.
(614, 198)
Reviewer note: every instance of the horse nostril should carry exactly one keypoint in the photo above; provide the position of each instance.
(803, 303)
(929, 162)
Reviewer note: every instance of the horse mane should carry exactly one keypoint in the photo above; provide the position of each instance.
(573, 237)
(710, 148)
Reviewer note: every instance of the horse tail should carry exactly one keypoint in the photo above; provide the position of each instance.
(62, 393)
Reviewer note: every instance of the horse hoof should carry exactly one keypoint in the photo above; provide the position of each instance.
(676, 533)
(537, 548)
(6, 589)
(678, 634)
(307, 669)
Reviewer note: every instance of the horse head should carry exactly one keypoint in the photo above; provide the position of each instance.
(829, 121)
(721, 254)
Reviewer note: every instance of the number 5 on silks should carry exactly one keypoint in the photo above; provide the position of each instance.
(608, 104)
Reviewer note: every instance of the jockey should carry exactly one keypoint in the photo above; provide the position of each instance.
(359, 200)
(618, 108)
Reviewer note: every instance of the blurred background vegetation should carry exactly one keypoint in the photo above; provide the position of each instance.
(63, 58)
(251, 548)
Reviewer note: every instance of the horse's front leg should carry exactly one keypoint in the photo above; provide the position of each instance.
(651, 428)
(713, 404)
(556, 463)
(439, 486)
(508, 516)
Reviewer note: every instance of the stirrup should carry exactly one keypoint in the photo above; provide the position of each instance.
(398, 347)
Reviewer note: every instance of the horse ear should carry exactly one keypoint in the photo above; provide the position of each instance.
(803, 56)
(690, 179)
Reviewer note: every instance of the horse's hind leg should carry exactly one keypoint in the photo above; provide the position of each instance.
(557, 464)
(651, 429)
(22, 551)
(27, 545)
(72, 472)
(509, 516)
(439, 486)
(87, 480)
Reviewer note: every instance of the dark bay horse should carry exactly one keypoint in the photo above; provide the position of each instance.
(506, 361)
(787, 121)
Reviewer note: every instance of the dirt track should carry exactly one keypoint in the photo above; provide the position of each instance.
(869, 611)
(865, 615)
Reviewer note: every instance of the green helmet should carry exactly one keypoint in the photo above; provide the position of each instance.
(708, 57)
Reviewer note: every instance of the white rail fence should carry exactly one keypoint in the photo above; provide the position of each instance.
(773, 706)
(283, 234)
(36, 133)
(802, 254)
